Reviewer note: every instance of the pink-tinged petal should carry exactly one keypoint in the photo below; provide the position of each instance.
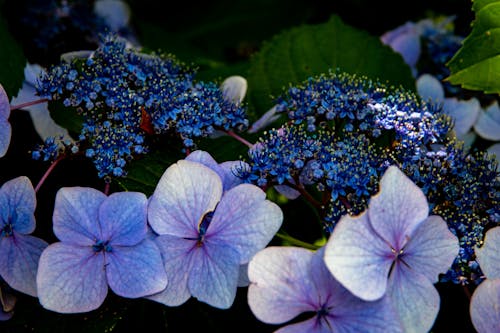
(234, 88)
(397, 210)
(484, 306)
(4, 104)
(358, 258)
(430, 89)
(20, 204)
(213, 277)
(177, 260)
(432, 248)
(136, 271)
(19, 255)
(488, 255)
(463, 113)
(76, 215)
(279, 287)
(71, 279)
(123, 218)
(5, 136)
(414, 297)
(185, 193)
(244, 220)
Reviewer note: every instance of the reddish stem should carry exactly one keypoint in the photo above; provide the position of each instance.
(47, 173)
(23, 105)
(239, 138)
(107, 187)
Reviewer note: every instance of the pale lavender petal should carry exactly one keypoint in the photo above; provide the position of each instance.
(185, 193)
(398, 208)
(358, 258)
(4, 104)
(414, 297)
(213, 277)
(204, 158)
(484, 306)
(19, 255)
(136, 271)
(488, 255)
(115, 13)
(243, 280)
(123, 218)
(488, 123)
(409, 47)
(71, 279)
(177, 260)
(244, 220)
(309, 326)
(432, 248)
(279, 289)
(287, 191)
(18, 204)
(234, 88)
(76, 215)
(5, 136)
(265, 120)
(464, 114)
(430, 89)
(229, 175)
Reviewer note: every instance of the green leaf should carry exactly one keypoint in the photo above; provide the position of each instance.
(12, 62)
(296, 54)
(476, 65)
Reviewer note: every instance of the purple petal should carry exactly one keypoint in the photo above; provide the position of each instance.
(243, 280)
(484, 306)
(136, 271)
(185, 193)
(204, 158)
(19, 255)
(229, 176)
(5, 135)
(278, 291)
(398, 208)
(244, 220)
(414, 297)
(432, 248)
(8, 302)
(177, 261)
(213, 277)
(265, 120)
(18, 204)
(71, 279)
(287, 191)
(76, 215)
(430, 88)
(488, 255)
(488, 123)
(358, 258)
(4, 104)
(123, 218)
(463, 113)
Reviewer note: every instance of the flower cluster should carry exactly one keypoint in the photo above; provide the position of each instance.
(125, 96)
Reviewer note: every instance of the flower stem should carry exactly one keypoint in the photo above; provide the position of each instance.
(47, 173)
(239, 138)
(23, 105)
(297, 242)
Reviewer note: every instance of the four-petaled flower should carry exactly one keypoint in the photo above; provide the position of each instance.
(485, 300)
(288, 281)
(206, 234)
(394, 248)
(19, 251)
(103, 241)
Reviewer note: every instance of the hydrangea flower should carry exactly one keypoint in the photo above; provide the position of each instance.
(19, 251)
(488, 123)
(485, 300)
(288, 281)
(205, 234)
(5, 128)
(394, 248)
(103, 242)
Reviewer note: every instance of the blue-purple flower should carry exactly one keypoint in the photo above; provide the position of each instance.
(5, 128)
(103, 242)
(485, 300)
(394, 248)
(288, 281)
(19, 251)
(206, 234)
